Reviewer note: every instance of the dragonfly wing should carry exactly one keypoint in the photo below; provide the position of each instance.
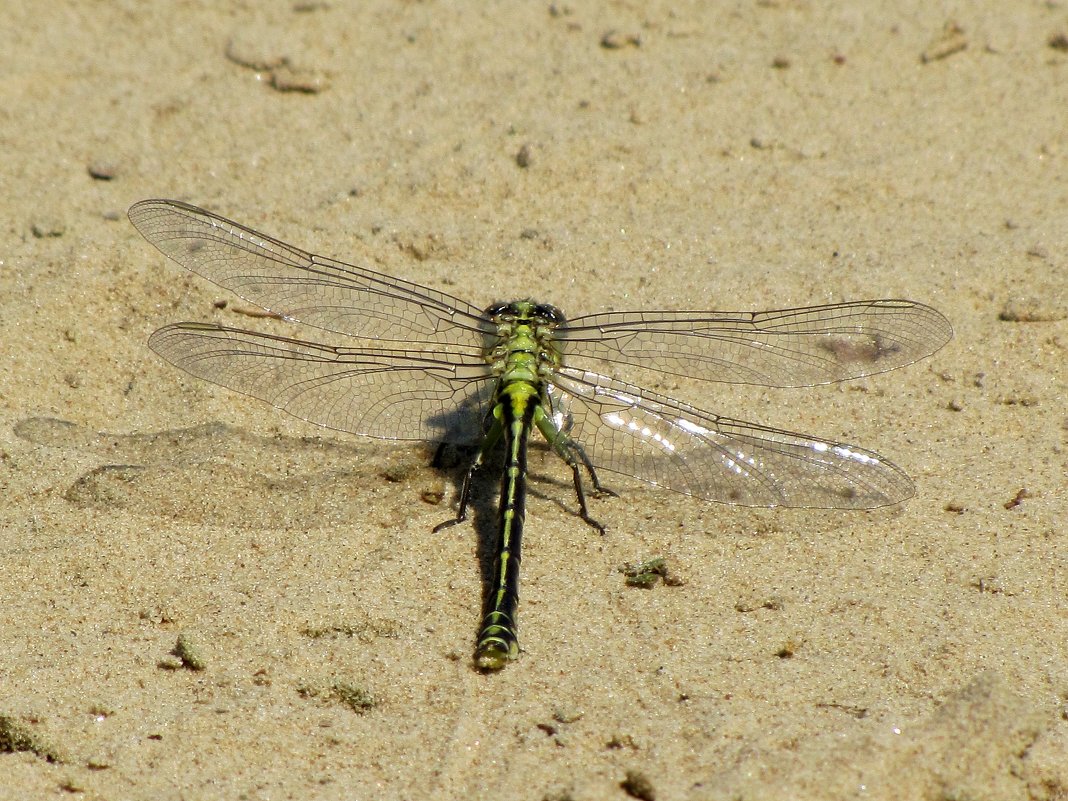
(628, 430)
(374, 391)
(784, 348)
(301, 286)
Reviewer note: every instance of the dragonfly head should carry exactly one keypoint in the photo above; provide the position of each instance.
(528, 311)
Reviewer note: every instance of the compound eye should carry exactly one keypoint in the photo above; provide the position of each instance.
(497, 309)
(549, 314)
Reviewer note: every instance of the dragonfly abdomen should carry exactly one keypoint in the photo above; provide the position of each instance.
(498, 641)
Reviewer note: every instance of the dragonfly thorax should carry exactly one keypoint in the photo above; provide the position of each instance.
(523, 347)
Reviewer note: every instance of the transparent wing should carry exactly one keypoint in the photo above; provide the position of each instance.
(784, 348)
(392, 393)
(301, 286)
(628, 430)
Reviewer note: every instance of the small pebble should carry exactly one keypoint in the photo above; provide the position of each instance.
(103, 169)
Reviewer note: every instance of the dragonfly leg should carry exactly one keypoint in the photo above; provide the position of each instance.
(581, 495)
(461, 512)
(600, 490)
(488, 443)
(566, 448)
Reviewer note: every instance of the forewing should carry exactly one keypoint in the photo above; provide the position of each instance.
(784, 348)
(392, 393)
(301, 286)
(629, 430)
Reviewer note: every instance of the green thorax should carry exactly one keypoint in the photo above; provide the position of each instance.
(524, 350)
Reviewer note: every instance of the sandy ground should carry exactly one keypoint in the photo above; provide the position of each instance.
(715, 155)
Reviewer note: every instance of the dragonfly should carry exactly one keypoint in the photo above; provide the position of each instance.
(396, 360)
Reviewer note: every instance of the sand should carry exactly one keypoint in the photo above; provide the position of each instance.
(701, 155)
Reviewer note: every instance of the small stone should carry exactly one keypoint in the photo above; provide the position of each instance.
(952, 40)
(47, 227)
(188, 650)
(524, 156)
(285, 78)
(1030, 310)
(103, 169)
